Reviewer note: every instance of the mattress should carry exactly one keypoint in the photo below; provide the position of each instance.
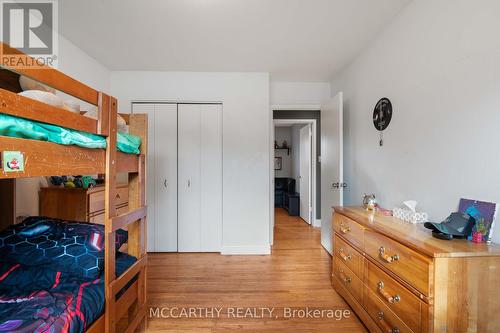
(27, 129)
(38, 296)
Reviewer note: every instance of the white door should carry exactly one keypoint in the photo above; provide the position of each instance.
(305, 173)
(189, 192)
(161, 175)
(166, 177)
(199, 177)
(331, 165)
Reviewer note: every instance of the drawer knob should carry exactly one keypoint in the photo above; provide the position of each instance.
(386, 295)
(344, 278)
(386, 327)
(343, 256)
(344, 228)
(387, 258)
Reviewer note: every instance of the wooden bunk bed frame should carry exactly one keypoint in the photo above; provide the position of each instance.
(50, 159)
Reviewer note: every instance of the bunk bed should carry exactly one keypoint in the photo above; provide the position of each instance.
(124, 281)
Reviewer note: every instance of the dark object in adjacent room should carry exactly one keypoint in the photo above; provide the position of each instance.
(285, 195)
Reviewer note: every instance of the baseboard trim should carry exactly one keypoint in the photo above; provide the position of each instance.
(317, 223)
(246, 250)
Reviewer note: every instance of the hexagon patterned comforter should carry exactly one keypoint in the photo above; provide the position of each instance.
(51, 275)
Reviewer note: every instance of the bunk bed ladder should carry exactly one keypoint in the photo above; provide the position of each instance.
(135, 220)
(138, 223)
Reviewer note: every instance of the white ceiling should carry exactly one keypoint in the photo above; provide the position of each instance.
(294, 40)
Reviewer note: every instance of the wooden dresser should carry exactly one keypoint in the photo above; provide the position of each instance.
(398, 278)
(79, 204)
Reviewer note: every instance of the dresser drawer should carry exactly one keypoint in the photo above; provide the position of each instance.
(396, 297)
(96, 199)
(409, 265)
(350, 281)
(121, 196)
(349, 229)
(383, 316)
(99, 218)
(349, 256)
(96, 202)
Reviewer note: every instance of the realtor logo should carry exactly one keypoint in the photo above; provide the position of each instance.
(30, 27)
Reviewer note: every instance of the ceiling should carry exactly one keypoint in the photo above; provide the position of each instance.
(293, 40)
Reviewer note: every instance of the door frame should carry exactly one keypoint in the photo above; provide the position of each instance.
(312, 174)
(284, 107)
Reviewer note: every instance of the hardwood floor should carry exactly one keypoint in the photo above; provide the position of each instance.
(295, 276)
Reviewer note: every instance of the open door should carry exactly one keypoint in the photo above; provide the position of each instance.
(305, 173)
(331, 165)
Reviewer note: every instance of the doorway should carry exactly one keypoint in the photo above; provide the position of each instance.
(295, 180)
(327, 166)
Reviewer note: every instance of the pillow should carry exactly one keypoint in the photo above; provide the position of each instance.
(44, 97)
(92, 113)
(121, 123)
(27, 83)
(72, 106)
(66, 246)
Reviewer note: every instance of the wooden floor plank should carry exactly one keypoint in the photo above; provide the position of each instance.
(296, 275)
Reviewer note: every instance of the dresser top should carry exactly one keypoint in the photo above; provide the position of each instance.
(97, 188)
(416, 236)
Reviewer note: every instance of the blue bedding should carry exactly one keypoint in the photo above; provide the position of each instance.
(29, 129)
(68, 246)
(40, 296)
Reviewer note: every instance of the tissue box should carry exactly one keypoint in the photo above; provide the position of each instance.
(410, 216)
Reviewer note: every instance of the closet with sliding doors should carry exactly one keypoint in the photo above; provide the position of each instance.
(184, 176)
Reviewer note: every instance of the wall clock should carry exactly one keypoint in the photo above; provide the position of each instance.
(382, 115)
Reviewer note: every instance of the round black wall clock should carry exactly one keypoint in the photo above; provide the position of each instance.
(382, 115)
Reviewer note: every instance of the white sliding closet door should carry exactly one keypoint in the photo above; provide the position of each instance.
(161, 175)
(199, 177)
(166, 177)
(189, 234)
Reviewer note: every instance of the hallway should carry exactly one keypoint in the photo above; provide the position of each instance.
(295, 277)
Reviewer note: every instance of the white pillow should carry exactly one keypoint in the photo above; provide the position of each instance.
(121, 124)
(44, 97)
(72, 106)
(29, 84)
(92, 113)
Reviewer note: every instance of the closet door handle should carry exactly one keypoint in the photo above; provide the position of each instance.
(189, 182)
(165, 183)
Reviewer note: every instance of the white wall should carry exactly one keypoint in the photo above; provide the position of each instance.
(299, 93)
(246, 142)
(438, 62)
(283, 134)
(79, 65)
